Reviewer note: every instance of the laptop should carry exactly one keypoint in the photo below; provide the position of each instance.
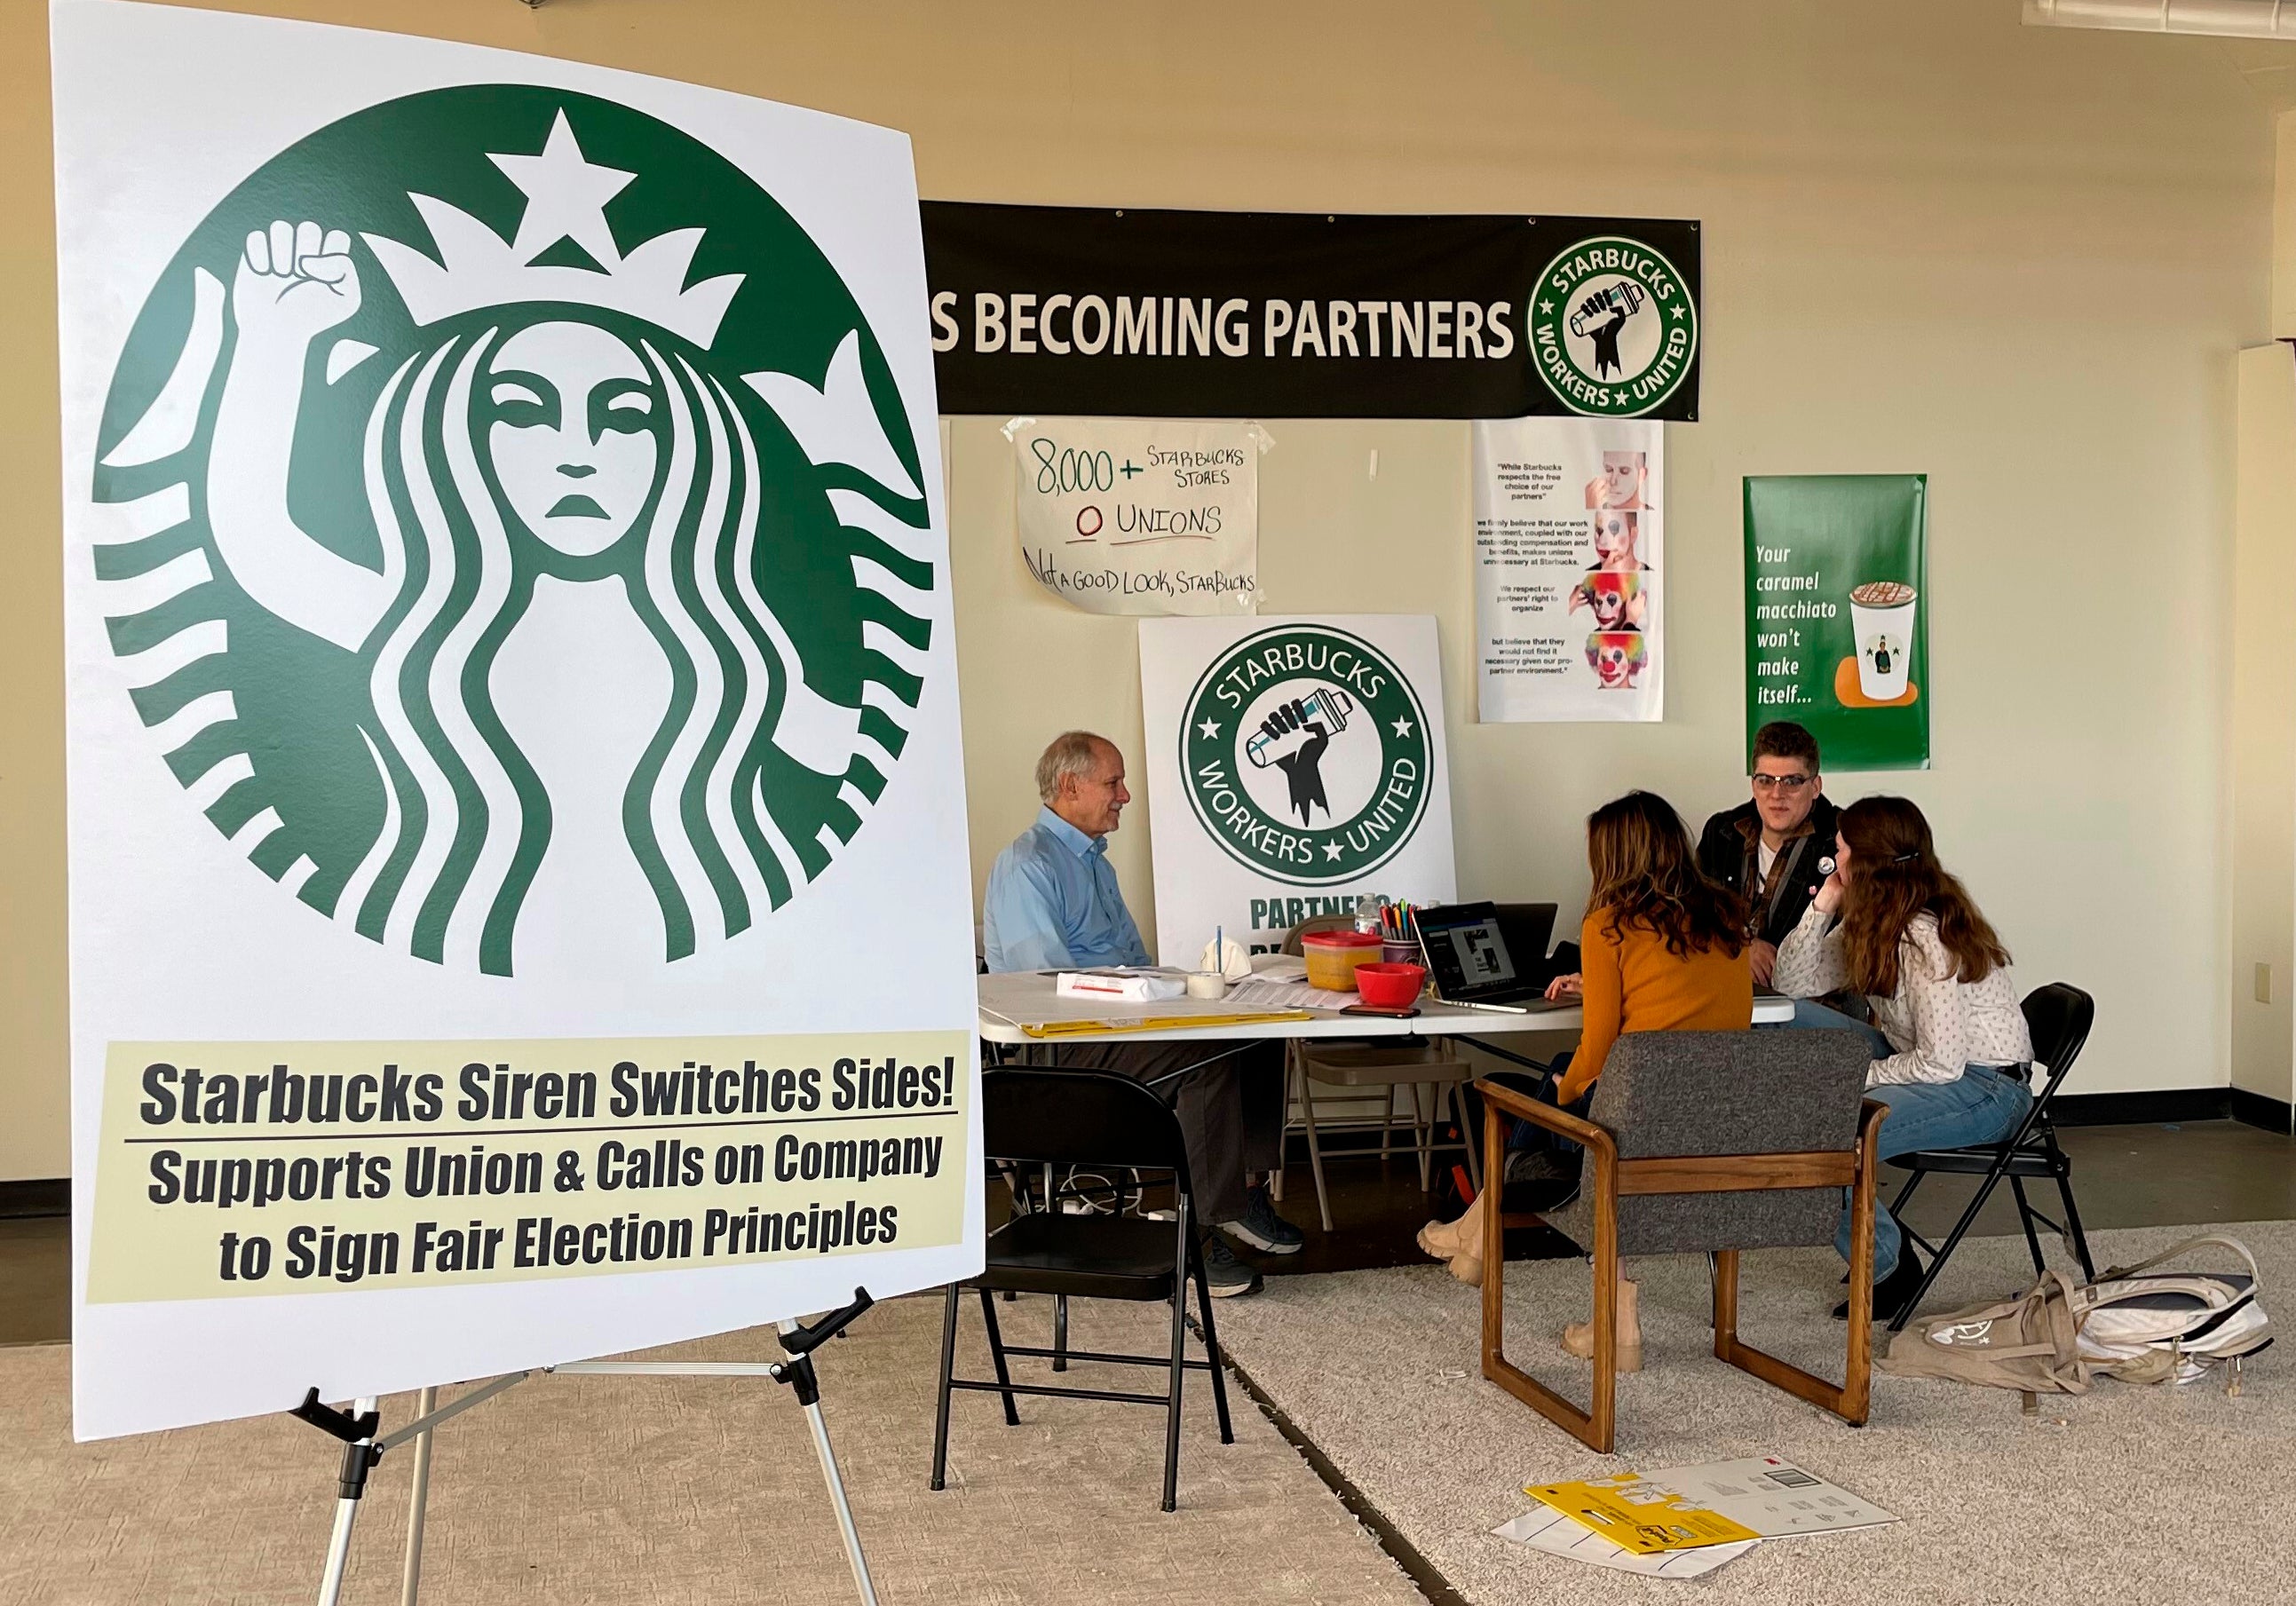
(1484, 958)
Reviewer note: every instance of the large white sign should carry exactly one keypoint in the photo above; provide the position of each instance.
(1141, 515)
(1294, 765)
(512, 715)
(1570, 544)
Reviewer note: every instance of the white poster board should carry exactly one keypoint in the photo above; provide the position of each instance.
(502, 497)
(1140, 515)
(1294, 765)
(1570, 547)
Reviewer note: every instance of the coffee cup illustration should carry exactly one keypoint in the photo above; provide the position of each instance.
(1882, 619)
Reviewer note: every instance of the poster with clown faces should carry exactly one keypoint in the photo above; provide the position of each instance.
(511, 716)
(1569, 544)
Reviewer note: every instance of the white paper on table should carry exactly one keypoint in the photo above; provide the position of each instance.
(1543, 1528)
(1773, 1497)
(1262, 993)
(1120, 986)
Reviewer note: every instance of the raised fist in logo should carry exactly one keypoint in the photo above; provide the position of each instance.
(295, 280)
(1600, 318)
(1297, 741)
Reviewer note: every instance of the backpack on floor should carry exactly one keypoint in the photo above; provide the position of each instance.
(2059, 1335)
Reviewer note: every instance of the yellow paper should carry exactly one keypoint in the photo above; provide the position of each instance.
(1642, 1517)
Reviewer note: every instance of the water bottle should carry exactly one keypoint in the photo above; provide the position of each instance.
(1367, 914)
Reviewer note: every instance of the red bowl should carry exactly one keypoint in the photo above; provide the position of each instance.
(1390, 986)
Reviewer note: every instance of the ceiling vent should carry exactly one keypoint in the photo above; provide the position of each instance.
(2225, 19)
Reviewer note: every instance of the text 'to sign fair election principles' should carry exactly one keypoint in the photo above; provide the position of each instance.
(512, 715)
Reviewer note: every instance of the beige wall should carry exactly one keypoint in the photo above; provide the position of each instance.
(2018, 260)
(2262, 774)
(2263, 745)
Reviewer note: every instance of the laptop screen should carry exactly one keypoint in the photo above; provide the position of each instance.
(1466, 950)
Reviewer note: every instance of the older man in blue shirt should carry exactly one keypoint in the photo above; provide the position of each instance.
(1053, 904)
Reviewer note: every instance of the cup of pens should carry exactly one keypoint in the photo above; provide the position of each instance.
(1398, 936)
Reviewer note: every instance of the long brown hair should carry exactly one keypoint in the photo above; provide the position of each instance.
(1647, 875)
(1895, 876)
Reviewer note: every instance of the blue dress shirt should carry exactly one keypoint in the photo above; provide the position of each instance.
(1053, 904)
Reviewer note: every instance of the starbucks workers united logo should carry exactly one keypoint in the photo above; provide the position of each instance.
(1614, 330)
(1305, 754)
(514, 526)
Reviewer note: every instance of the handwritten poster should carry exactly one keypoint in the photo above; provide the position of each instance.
(1570, 544)
(1141, 515)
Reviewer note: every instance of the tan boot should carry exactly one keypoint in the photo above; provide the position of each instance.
(1467, 1266)
(1444, 1239)
(1578, 1338)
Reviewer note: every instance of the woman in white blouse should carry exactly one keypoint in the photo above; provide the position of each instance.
(1952, 1052)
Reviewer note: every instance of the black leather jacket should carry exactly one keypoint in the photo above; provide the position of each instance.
(1727, 852)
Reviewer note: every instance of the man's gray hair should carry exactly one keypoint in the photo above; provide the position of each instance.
(1072, 753)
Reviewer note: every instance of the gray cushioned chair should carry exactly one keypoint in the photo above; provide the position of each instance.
(1703, 1142)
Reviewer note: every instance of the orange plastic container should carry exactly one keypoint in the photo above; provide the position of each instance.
(1332, 957)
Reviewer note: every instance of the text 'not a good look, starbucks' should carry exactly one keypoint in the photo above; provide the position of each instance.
(231, 1168)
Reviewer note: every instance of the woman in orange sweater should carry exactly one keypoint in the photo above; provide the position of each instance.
(1662, 949)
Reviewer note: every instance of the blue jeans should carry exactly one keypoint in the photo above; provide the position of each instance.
(1810, 1014)
(1984, 1107)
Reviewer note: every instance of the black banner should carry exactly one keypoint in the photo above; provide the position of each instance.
(1282, 315)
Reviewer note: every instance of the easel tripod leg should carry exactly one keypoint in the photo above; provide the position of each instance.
(338, 1545)
(830, 1475)
(410, 1583)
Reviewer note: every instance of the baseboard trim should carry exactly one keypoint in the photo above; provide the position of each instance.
(2171, 1105)
(35, 1196)
(2255, 1109)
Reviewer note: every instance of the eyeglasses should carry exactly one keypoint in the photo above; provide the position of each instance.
(1782, 783)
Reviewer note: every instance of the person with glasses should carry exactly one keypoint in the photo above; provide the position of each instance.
(1052, 904)
(1767, 850)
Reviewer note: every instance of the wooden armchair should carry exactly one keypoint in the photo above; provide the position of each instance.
(1702, 1142)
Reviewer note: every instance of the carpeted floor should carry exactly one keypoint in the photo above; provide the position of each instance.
(2158, 1494)
(639, 1490)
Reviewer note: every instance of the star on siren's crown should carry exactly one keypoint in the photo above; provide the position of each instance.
(566, 197)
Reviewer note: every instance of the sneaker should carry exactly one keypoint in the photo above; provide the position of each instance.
(1539, 1180)
(1540, 1165)
(1893, 1292)
(1224, 1274)
(1261, 1228)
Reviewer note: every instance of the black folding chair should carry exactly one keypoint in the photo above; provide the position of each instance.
(2059, 1017)
(1072, 1118)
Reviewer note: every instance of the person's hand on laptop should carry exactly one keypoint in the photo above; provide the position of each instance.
(1564, 987)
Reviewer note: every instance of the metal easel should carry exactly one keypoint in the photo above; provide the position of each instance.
(362, 1449)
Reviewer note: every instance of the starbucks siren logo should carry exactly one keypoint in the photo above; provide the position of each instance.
(1305, 755)
(1612, 328)
(462, 399)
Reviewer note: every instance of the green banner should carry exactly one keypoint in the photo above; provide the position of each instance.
(1837, 623)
